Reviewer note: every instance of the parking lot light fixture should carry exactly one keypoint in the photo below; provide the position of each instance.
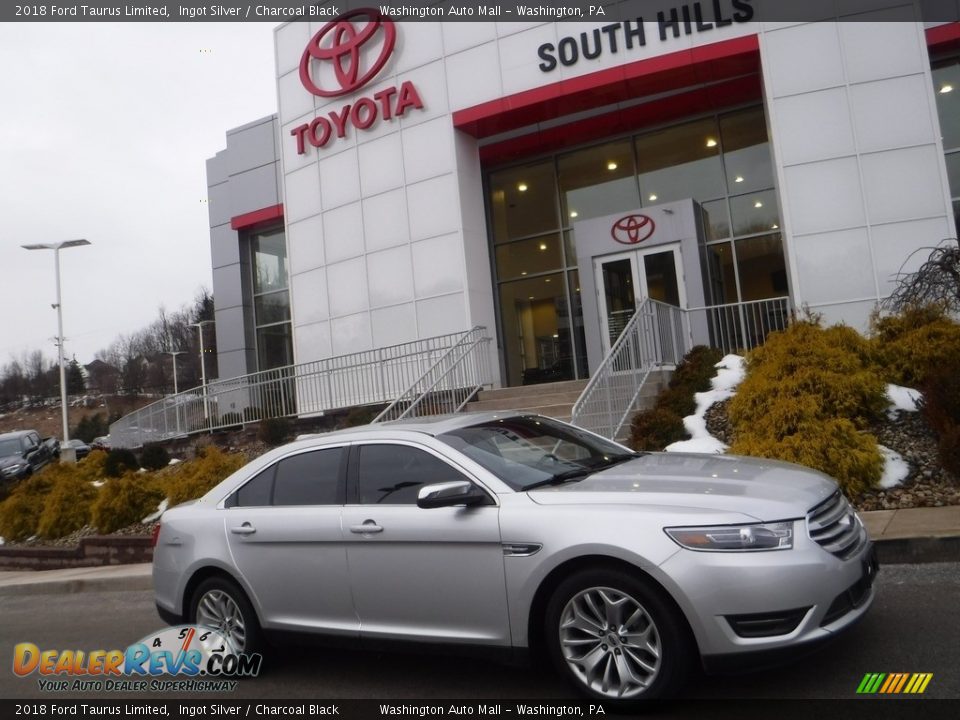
(67, 453)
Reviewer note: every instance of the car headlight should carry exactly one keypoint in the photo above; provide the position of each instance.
(735, 538)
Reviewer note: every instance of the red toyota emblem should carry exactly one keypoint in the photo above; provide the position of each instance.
(344, 50)
(632, 229)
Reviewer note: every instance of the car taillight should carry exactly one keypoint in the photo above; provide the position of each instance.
(155, 535)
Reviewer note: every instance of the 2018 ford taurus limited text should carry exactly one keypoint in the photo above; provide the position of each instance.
(518, 532)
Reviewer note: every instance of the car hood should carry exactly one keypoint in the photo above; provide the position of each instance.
(764, 489)
(8, 460)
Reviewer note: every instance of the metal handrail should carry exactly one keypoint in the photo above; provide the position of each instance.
(363, 378)
(449, 384)
(656, 335)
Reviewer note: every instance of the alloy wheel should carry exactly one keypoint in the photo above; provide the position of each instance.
(219, 611)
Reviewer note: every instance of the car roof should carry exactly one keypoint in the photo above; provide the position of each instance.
(430, 425)
(16, 433)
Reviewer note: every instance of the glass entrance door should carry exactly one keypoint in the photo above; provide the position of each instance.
(625, 279)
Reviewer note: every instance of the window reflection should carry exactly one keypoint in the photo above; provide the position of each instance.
(529, 257)
(269, 261)
(680, 162)
(719, 279)
(761, 268)
(755, 213)
(946, 87)
(523, 201)
(597, 181)
(746, 152)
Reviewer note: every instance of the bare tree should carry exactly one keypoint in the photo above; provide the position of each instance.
(935, 282)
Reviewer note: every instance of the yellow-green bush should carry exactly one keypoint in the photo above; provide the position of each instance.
(807, 391)
(908, 345)
(834, 447)
(193, 479)
(125, 500)
(67, 504)
(20, 512)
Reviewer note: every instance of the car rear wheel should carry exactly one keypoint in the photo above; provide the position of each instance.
(616, 637)
(220, 604)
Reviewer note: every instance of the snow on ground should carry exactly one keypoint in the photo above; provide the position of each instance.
(895, 468)
(2, 541)
(161, 508)
(98, 483)
(730, 373)
(902, 398)
(174, 461)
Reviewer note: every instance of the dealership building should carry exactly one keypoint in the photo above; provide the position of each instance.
(420, 179)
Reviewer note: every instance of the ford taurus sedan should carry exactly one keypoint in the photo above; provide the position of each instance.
(516, 532)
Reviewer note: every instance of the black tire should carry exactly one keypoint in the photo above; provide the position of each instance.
(608, 650)
(252, 633)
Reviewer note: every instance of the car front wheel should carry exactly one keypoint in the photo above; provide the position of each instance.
(220, 604)
(616, 637)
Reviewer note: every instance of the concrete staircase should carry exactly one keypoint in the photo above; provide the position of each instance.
(556, 399)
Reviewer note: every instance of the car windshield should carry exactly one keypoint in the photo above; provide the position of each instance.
(531, 451)
(9, 447)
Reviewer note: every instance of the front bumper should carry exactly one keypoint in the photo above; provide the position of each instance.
(824, 593)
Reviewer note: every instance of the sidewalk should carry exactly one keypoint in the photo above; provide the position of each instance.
(916, 535)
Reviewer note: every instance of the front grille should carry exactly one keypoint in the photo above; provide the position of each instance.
(834, 526)
(767, 624)
(847, 601)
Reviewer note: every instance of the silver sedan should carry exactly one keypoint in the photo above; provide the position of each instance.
(514, 532)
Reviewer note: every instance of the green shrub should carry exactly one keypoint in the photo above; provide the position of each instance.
(909, 345)
(90, 427)
(20, 512)
(807, 393)
(120, 460)
(273, 431)
(67, 506)
(154, 457)
(194, 478)
(125, 500)
(834, 447)
(677, 400)
(655, 429)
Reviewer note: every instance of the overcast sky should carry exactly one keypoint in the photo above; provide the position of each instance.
(104, 133)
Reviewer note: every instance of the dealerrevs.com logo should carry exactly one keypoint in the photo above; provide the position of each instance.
(343, 56)
(340, 46)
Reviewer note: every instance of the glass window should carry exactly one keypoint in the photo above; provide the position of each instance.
(953, 173)
(763, 273)
(576, 318)
(746, 152)
(528, 257)
(946, 85)
(597, 181)
(274, 346)
(716, 220)
(310, 478)
(523, 201)
(269, 261)
(394, 474)
(680, 162)
(536, 327)
(272, 308)
(719, 278)
(755, 213)
(256, 492)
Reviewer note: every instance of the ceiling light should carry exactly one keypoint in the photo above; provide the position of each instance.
(573, 213)
(543, 246)
(522, 187)
(739, 178)
(611, 165)
(556, 335)
(652, 197)
(530, 298)
(758, 204)
(774, 227)
(711, 142)
(524, 272)
(547, 280)
(945, 89)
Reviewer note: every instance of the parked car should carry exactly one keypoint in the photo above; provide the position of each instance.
(23, 452)
(79, 447)
(517, 532)
(101, 443)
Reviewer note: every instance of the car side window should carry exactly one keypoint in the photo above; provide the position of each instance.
(256, 492)
(310, 478)
(394, 474)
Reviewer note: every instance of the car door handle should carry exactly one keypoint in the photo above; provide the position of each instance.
(369, 527)
(245, 529)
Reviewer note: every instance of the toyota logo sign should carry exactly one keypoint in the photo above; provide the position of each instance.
(632, 229)
(344, 49)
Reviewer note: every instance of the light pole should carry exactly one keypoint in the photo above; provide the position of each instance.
(176, 391)
(203, 365)
(57, 247)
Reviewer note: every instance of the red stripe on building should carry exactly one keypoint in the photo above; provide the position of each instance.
(944, 37)
(257, 217)
(673, 71)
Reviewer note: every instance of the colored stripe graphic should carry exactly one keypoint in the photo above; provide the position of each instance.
(894, 683)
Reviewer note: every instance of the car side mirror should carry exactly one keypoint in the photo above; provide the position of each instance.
(449, 494)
